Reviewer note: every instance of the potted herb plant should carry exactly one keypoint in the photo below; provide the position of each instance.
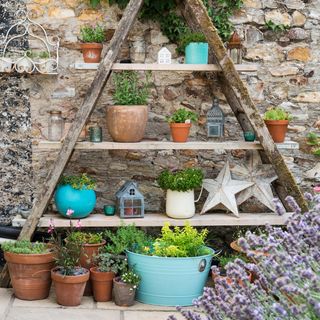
(92, 38)
(75, 193)
(277, 121)
(195, 47)
(180, 187)
(29, 268)
(180, 124)
(107, 266)
(124, 288)
(127, 119)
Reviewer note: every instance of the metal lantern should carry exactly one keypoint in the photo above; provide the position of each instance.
(130, 202)
(235, 48)
(215, 120)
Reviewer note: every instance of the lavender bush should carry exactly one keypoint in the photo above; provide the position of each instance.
(286, 268)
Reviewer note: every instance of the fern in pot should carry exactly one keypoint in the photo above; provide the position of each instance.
(180, 187)
(127, 119)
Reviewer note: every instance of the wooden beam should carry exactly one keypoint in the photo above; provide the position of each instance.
(200, 17)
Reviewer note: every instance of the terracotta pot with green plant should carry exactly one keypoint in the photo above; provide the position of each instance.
(124, 288)
(127, 119)
(180, 124)
(107, 266)
(180, 187)
(92, 38)
(277, 121)
(29, 268)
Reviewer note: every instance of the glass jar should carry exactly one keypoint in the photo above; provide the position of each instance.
(95, 133)
(56, 126)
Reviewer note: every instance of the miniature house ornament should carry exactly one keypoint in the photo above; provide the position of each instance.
(215, 120)
(130, 201)
(235, 48)
(164, 56)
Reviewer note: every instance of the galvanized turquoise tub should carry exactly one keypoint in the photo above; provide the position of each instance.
(170, 281)
(197, 53)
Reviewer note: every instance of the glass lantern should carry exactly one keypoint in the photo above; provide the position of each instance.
(215, 120)
(235, 48)
(130, 202)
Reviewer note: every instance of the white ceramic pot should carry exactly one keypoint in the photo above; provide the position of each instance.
(6, 64)
(180, 205)
(24, 65)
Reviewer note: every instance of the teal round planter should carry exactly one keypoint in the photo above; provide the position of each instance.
(81, 201)
(197, 53)
(170, 281)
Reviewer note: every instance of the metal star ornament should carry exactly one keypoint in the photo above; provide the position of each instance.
(222, 191)
(261, 175)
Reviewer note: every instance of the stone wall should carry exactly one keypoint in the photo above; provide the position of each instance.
(287, 75)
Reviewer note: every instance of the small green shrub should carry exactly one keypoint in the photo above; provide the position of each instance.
(82, 182)
(182, 115)
(129, 90)
(108, 262)
(184, 180)
(131, 278)
(189, 37)
(24, 247)
(85, 237)
(277, 114)
(92, 34)
(181, 242)
(313, 139)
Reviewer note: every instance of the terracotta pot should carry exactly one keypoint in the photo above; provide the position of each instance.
(86, 260)
(127, 123)
(180, 131)
(69, 289)
(229, 280)
(234, 245)
(30, 274)
(277, 129)
(91, 52)
(124, 294)
(101, 283)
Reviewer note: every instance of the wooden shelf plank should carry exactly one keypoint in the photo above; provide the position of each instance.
(165, 67)
(157, 220)
(153, 145)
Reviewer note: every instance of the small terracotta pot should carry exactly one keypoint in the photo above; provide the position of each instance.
(127, 123)
(234, 245)
(229, 280)
(124, 294)
(30, 274)
(91, 52)
(69, 289)
(277, 129)
(180, 131)
(101, 283)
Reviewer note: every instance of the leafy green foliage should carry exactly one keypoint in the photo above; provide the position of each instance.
(184, 180)
(85, 237)
(129, 90)
(313, 139)
(108, 262)
(24, 247)
(276, 27)
(44, 55)
(82, 182)
(94, 3)
(181, 242)
(182, 115)
(131, 278)
(225, 259)
(277, 113)
(92, 34)
(189, 37)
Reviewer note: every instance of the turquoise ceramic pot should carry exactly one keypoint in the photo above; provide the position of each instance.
(170, 281)
(197, 53)
(81, 201)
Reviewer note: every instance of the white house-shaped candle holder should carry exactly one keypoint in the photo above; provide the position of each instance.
(164, 56)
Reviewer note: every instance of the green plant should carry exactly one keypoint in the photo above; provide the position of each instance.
(181, 242)
(131, 278)
(129, 90)
(85, 237)
(189, 37)
(92, 34)
(225, 259)
(108, 262)
(313, 139)
(24, 247)
(276, 27)
(78, 182)
(276, 113)
(31, 54)
(182, 115)
(184, 180)
(44, 55)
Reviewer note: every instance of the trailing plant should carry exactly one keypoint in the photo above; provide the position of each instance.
(277, 113)
(313, 139)
(182, 115)
(184, 180)
(85, 237)
(276, 27)
(108, 262)
(82, 182)
(24, 247)
(181, 242)
(129, 90)
(92, 34)
(131, 278)
(189, 37)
